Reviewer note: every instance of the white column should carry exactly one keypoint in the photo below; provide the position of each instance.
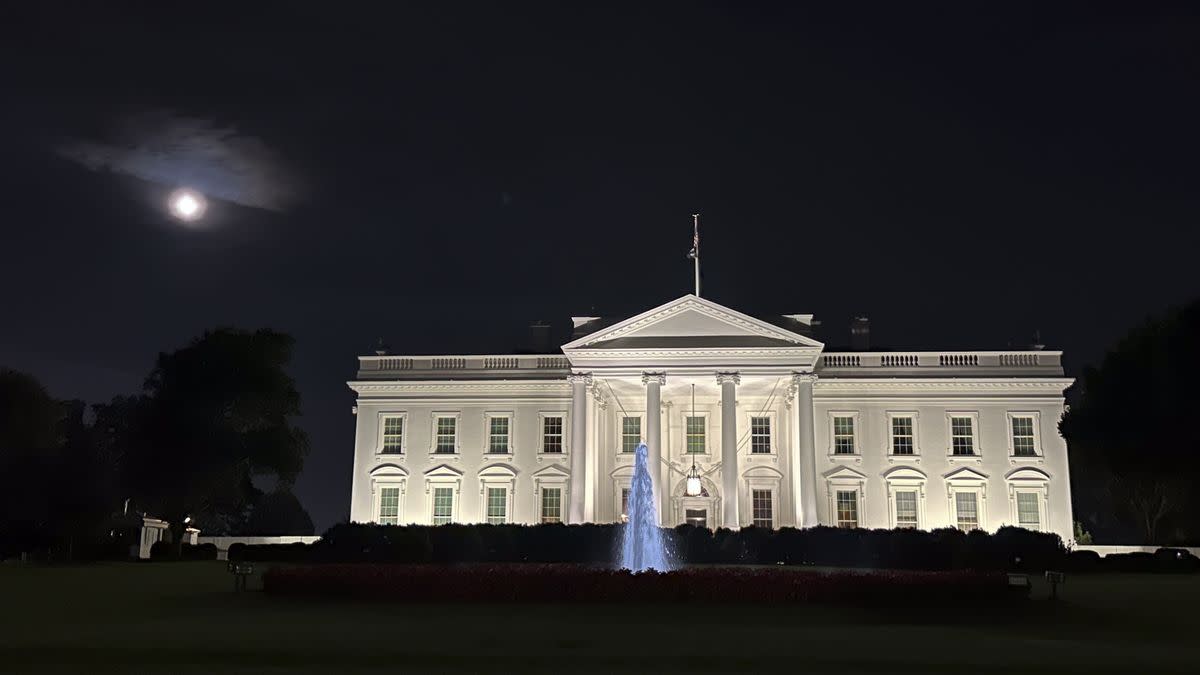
(579, 401)
(729, 461)
(654, 383)
(807, 499)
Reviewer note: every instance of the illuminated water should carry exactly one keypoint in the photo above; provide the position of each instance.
(643, 546)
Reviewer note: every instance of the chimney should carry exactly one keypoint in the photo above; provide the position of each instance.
(583, 325)
(539, 337)
(860, 334)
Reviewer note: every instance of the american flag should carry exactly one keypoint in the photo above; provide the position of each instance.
(695, 252)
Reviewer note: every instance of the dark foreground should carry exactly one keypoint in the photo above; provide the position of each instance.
(183, 618)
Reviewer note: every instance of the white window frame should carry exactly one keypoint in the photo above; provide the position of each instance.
(891, 435)
(772, 437)
(708, 435)
(487, 435)
(377, 485)
(858, 505)
(1034, 481)
(1037, 435)
(894, 493)
(856, 416)
(382, 421)
(553, 475)
(905, 479)
(433, 434)
(774, 505)
(443, 477)
(846, 479)
(541, 435)
(1040, 500)
(562, 502)
(622, 479)
(497, 477)
(980, 509)
(761, 478)
(641, 416)
(976, 436)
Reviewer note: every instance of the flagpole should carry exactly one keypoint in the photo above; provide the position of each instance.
(696, 249)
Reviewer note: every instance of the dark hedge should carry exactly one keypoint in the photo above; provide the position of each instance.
(947, 549)
(567, 582)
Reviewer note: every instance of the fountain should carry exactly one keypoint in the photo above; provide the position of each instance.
(643, 546)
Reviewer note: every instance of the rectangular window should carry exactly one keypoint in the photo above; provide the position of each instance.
(551, 505)
(966, 506)
(962, 436)
(389, 505)
(498, 435)
(762, 511)
(497, 505)
(445, 435)
(552, 434)
(1022, 437)
(843, 435)
(443, 505)
(847, 508)
(695, 435)
(625, 504)
(1028, 515)
(393, 435)
(906, 508)
(631, 433)
(903, 442)
(760, 435)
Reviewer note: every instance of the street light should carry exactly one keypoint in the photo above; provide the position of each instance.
(692, 486)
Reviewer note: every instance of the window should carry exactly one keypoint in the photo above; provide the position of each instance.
(843, 435)
(761, 508)
(903, 441)
(631, 433)
(445, 435)
(389, 505)
(906, 508)
(552, 505)
(695, 435)
(498, 434)
(552, 434)
(962, 436)
(625, 504)
(497, 505)
(393, 435)
(443, 505)
(1022, 437)
(847, 508)
(1028, 513)
(966, 507)
(760, 435)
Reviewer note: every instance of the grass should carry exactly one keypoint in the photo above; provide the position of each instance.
(184, 618)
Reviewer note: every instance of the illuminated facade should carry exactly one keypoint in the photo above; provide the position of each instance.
(783, 432)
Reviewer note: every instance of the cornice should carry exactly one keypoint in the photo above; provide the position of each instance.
(626, 354)
(1056, 384)
(555, 387)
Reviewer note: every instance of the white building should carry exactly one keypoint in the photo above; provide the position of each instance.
(783, 432)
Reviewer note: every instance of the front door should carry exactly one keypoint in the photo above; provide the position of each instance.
(696, 517)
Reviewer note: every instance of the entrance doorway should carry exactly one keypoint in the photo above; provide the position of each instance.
(696, 517)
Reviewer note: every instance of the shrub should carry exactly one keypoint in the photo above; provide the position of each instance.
(580, 583)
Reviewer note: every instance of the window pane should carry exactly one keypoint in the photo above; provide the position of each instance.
(1022, 437)
(631, 433)
(624, 504)
(902, 436)
(1028, 515)
(498, 435)
(843, 435)
(446, 429)
(551, 505)
(393, 435)
(695, 435)
(847, 508)
(552, 434)
(762, 513)
(906, 508)
(962, 437)
(497, 505)
(967, 508)
(760, 435)
(443, 505)
(389, 505)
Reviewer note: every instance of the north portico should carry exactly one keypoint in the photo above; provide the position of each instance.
(782, 432)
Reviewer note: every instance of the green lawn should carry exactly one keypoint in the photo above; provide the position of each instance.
(184, 618)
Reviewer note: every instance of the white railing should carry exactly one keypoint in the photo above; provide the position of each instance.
(898, 361)
(958, 360)
(395, 364)
(1012, 360)
(501, 362)
(840, 361)
(448, 363)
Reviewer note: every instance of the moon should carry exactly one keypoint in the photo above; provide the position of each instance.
(187, 205)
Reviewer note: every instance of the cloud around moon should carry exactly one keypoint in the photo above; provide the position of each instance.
(173, 150)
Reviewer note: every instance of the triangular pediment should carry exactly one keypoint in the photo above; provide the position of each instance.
(845, 473)
(443, 471)
(966, 475)
(691, 322)
(552, 471)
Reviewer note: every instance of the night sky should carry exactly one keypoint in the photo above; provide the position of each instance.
(442, 174)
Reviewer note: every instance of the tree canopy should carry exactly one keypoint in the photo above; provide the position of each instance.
(1134, 452)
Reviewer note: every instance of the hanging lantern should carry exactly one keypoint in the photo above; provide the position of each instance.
(692, 487)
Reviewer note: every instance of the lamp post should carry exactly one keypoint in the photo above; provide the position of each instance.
(692, 487)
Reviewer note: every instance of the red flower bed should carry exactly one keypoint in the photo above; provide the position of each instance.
(579, 583)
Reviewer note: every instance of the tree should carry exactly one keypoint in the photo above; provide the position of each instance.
(215, 415)
(1134, 450)
(30, 422)
(279, 513)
